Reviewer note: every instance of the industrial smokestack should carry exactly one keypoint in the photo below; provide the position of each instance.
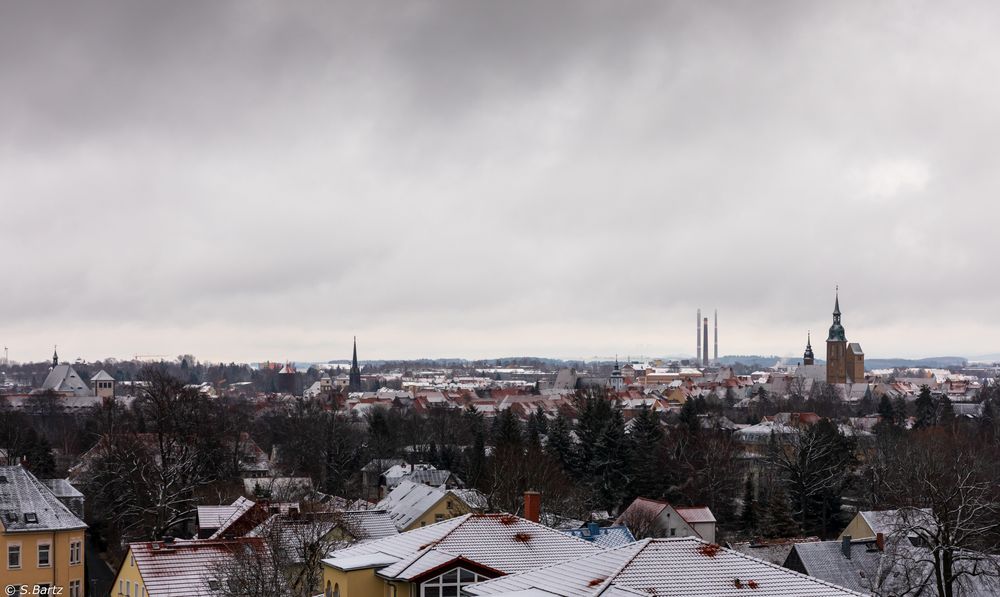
(705, 345)
(716, 336)
(697, 335)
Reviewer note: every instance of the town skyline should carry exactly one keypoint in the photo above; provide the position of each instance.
(412, 178)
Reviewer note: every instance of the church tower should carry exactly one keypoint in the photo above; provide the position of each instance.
(807, 357)
(836, 348)
(354, 377)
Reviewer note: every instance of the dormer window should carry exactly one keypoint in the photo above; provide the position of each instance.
(31, 518)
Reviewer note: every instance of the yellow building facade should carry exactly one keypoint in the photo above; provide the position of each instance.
(41, 541)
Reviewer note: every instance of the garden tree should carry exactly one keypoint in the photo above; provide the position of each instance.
(594, 412)
(703, 469)
(866, 405)
(926, 411)
(144, 480)
(731, 398)
(689, 416)
(945, 486)
(777, 516)
(38, 456)
(380, 434)
(945, 411)
(252, 569)
(748, 515)
(475, 457)
(560, 444)
(646, 444)
(816, 464)
(886, 411)
(902, 412)
(507, 431)
(610, 464)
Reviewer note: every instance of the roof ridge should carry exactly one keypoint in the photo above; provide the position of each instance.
(604, 586)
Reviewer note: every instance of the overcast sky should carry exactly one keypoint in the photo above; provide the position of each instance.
(262, 180)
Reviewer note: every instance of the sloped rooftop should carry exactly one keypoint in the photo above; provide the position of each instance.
(686, 567)
(502, 542)
(27, 505)
(184, 568)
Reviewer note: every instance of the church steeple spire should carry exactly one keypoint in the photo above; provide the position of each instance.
(837, 330)
(55, 356)
(354, 377)
(807, 357)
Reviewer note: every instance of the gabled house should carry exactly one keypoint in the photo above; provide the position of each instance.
(441, 559)
(41, 540)
(413, 505)
(686, 567)
(202, 568)
(654, 518)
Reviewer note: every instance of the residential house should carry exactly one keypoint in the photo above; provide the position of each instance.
(41, 540)
(413, 505)
(175, 568)
(883, 566)
(868, 524)
(680, 567)
(653, 518)
(440, 559)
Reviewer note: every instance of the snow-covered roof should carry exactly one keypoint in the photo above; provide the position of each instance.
(28, 506)
(408, 502)
(63, 378)
(696, 514)
(186, 567)
(685, 567)
(502, 542)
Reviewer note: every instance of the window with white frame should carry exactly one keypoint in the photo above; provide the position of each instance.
(74, 589)
(44, 555)
(13, 556)
(75, 552)
(450, 583)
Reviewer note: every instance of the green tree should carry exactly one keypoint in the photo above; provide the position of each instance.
(748, 517)
(647, 459)
(926, 411)
(560, 444)
(945, 411)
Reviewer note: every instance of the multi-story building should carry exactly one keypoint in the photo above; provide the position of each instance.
(41, 540)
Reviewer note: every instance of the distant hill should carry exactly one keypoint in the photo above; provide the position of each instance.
(886, 363)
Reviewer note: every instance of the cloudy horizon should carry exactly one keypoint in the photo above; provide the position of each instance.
(246, 181)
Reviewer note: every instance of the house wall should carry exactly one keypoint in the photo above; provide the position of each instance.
(857, 529)
(360, 583)
(58, 574)
(706, 530)
(670, 524)
(128, 572)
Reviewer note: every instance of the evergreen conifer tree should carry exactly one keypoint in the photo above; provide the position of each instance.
(926, 411)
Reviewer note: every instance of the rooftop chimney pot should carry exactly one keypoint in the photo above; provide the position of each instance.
(845, 546)
(532, 505)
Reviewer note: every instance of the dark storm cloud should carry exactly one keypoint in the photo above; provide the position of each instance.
(243, 179)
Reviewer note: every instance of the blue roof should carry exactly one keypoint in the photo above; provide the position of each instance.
(606, 537)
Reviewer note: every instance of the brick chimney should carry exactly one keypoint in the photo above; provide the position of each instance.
(880, 541)
(532, 505)
(845, 546)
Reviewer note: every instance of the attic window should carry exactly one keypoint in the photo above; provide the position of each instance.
(12, 517)
(213, 584)
(3, 478)
(30, 518)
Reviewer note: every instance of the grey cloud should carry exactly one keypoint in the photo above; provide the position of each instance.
(248, 179)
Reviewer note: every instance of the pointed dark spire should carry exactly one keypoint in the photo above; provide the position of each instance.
(808, 358)
(55, 356)
(836, 302)
(354, 376)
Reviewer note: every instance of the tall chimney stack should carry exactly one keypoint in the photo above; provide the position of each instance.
(705, 345)
(716, 337)
(697, 334)
(532, 505)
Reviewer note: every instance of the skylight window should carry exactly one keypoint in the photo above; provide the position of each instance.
(30, 518)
